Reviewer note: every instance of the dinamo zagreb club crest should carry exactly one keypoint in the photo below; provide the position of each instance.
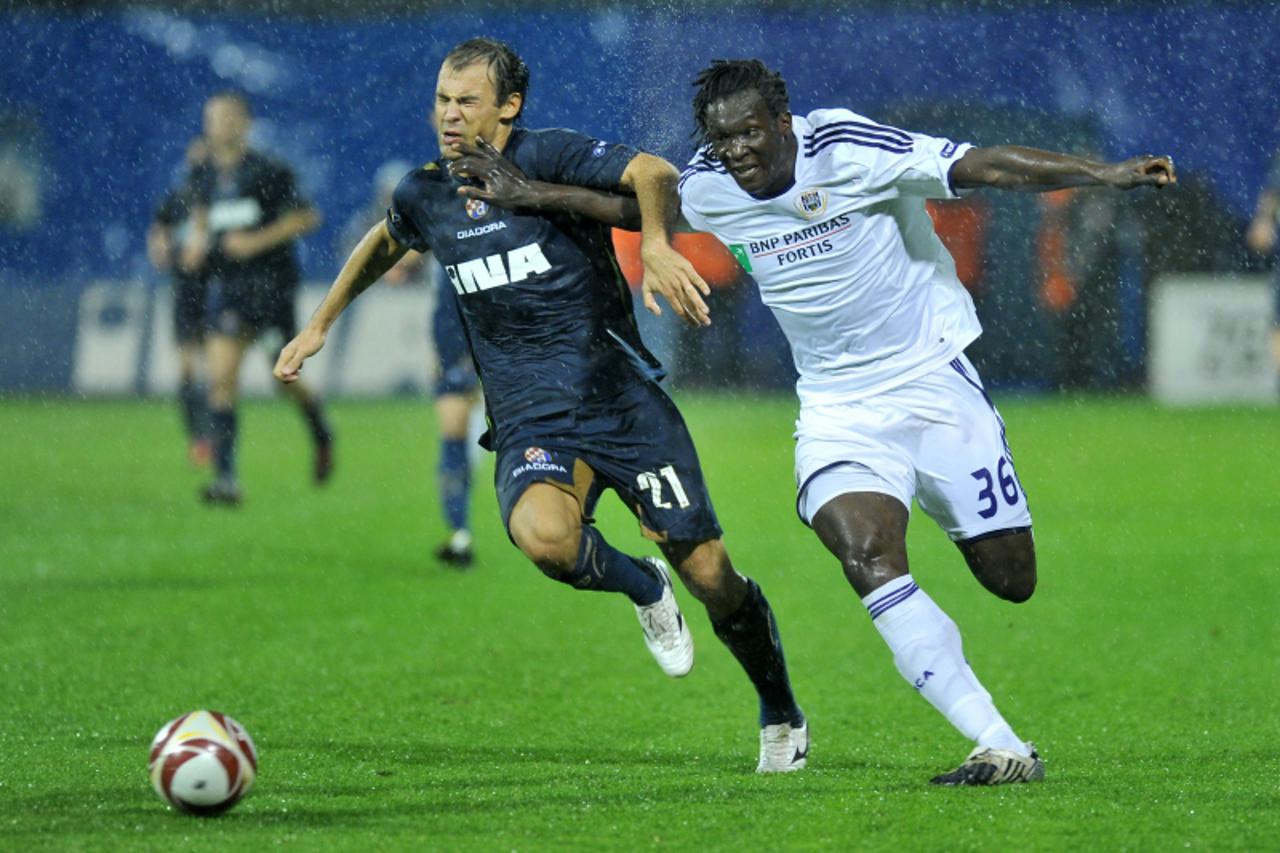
(537, 454)
(476, 208)
(812, 203)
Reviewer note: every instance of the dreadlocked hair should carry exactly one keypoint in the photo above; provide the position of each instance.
(725, 77)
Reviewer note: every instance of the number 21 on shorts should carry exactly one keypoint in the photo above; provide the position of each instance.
(652, 483)
(1005, 478)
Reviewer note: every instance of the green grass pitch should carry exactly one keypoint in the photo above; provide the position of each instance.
(398, 705)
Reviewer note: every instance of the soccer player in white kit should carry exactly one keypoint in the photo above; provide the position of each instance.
(827, 213)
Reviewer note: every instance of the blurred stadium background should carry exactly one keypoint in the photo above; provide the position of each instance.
(98, 101)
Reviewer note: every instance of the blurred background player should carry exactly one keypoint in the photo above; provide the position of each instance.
(164, 244)
(571, 393)
(1261, 238)
(827, 211)
(247, 214)
(457, 388)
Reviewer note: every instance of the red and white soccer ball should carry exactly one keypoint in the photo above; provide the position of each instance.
(203, 762)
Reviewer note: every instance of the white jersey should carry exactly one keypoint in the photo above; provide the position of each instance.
(847, 258)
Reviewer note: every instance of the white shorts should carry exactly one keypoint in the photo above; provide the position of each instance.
(937, 439)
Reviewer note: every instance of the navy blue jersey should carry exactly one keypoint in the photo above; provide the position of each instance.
(256, 193)
(547, 312)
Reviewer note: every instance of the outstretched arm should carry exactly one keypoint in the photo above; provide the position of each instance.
(376, 253)
(242, 245)
(502, 183)
(654, 210)
(655, 183)
(1012, 167)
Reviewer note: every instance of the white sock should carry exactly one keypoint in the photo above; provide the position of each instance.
(927, 651)
(460, 540)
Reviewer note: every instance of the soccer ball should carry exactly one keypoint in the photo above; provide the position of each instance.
(203, 762)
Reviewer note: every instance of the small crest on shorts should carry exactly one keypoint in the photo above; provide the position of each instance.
(812, 203)
(599, 148)
(476, 208)
(537, 454)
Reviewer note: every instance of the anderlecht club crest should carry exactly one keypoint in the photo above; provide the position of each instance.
(812, 203)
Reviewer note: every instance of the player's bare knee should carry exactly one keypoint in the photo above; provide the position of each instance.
(550, 543)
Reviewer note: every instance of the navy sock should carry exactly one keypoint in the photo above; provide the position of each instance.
(752, 636)
(316, 422)
(454, 475)
(192, 397)
(603, 567)
(222, 429)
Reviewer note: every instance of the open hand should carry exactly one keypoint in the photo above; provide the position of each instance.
(501, 182)
(668, 272)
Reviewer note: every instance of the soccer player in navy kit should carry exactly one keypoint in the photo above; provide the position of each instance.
(248, 213)
(570, 390)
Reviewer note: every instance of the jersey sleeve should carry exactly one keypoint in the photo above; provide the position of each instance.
(695, 220)
(691, 193)
(568, 157)
(694, 188)
(898, 162)
(400, 222)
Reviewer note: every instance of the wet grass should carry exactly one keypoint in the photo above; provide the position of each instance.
(398, 705)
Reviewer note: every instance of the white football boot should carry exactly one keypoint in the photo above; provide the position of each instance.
(986, 766)
(665, 631)
(783, 748)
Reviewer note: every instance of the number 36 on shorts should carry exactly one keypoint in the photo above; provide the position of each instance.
(997, 482)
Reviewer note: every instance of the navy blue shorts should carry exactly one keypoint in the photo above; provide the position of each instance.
(456, 374)
(250, 307)
(636, 444)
